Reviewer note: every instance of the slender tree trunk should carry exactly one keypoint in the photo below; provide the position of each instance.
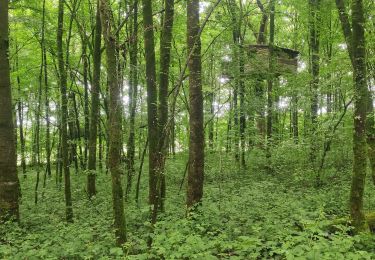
(133, 91)
(91, 177)
(73, 136)
(270, 78)
(86, 101)
(165, 57)
(46, 94)
(295, 117)
(20, 120)
(37, 129)
(196, 138)
(100, 152)
(9, 184)
(229, 125)
(314, 27)
(236, 57)
(64, 112)
(152, 111)
(242, 106)
(77, 134)
(114, 123)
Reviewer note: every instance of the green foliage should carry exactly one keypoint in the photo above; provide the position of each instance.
(245, 215)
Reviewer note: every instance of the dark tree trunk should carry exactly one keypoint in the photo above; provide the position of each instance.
(64, 112)
(152, 110)
(165, 57)
(86, 102)
(9, 184)
(196, 139)
(242, 106)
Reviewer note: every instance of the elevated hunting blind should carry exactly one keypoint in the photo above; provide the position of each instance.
(286, 60)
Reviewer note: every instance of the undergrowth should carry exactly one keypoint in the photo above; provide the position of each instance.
(246, 214)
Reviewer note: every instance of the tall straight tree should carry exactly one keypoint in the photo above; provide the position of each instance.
(64, 111)
(114, 122)
(133, 89)
(270, 78)
(20, 120)
(152, 108)
(355, 38)
(91, 188)
(46, 95)
(9, 184)
(196, 138)
(165, 58)
(314, 30)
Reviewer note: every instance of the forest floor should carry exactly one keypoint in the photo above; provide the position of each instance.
(246, 214)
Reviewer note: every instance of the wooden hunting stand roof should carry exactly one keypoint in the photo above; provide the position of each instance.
(258, 59)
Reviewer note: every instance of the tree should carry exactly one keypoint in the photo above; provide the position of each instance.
(355, 39)
(91, 189)
(133, 89)
(196, 135)
(165, 59)
(9, 185)
(64, 112)
(314, 44)
(114, 122)
(270, 78)
(152, 107)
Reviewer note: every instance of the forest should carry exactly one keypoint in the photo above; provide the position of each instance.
(187, 129)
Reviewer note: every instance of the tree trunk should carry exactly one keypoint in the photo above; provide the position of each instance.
(86, 102)
(270, 79)
(314, 25)
(165, 57)
(133, 91)
(20, 120)
(9, 184)
(114, 123)
(355, 40)
(360, 113)
(46, 105)
(196, 138)
(91, 177)
(64, 112)
(152, 111)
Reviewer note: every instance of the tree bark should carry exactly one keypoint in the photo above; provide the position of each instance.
(9, 184)
(64, 112)
(314, 27)
(152, 110)
(165, 58)
(355, 39)
(196, 138)
(360, 114)
(95, 102)
(20, 119)
(114, 123)
(133, 91)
